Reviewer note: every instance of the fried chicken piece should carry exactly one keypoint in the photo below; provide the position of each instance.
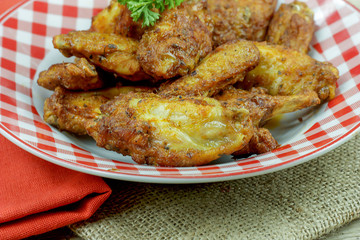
(116, 18)
(177, 41)
(292, 26)
(80, 75)
(263, 107)
(69, 110)
(224, 66)
(261, 142)
(111, 52)
(283, 71)
(240, 19)
(170, 131)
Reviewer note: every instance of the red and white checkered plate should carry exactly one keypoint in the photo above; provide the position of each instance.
(26, 33)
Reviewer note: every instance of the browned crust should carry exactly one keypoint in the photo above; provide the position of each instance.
(111, 52)
(116, 18)
(261, 142)
(80, 75)
(292, 26)
(177, 42)
(240, 19)
(121, 129)
(69, 111)
(284, 71)
(223, 67)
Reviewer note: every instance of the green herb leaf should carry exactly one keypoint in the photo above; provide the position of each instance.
(143, 9)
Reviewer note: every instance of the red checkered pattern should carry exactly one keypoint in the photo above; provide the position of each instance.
(25, 39)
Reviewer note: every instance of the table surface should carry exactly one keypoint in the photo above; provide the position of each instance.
(348, 232)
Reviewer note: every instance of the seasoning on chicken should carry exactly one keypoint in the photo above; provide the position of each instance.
(240, 19)
(116, 18)
(170, 131)
(111, 52)
(292, 26)
(176, 43)
(223, 67)
(80, 75)
(69, 111)
(263, 107)
(261, 142)
(283, 71)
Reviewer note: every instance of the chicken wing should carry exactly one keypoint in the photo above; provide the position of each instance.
(111, 52)
(225, 66)
(177, 42)
(170, 131)
(283, 71)
(263, 107)
(261, 142)
(80, 75)
(292, 26)
(116, 18)
(240, 19)
(69, 110)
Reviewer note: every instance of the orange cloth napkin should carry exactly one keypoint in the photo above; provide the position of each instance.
(6, 4)
(37, 196)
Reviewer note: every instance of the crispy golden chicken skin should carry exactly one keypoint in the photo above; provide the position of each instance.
(263, 107)
(261, 142)
(177, 42)
(111, 52)
(170, 131)
(292, 26)
(283, 71)
(226, 65)
(80, 75)
(69, 111)
(240, 19)
(116, 19)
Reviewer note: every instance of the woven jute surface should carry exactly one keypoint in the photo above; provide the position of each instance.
(303, 202)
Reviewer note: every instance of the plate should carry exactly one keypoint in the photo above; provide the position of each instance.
(26, 33)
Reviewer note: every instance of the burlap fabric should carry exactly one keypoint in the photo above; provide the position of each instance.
(303, 202)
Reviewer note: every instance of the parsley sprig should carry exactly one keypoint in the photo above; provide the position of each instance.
(143, 9)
